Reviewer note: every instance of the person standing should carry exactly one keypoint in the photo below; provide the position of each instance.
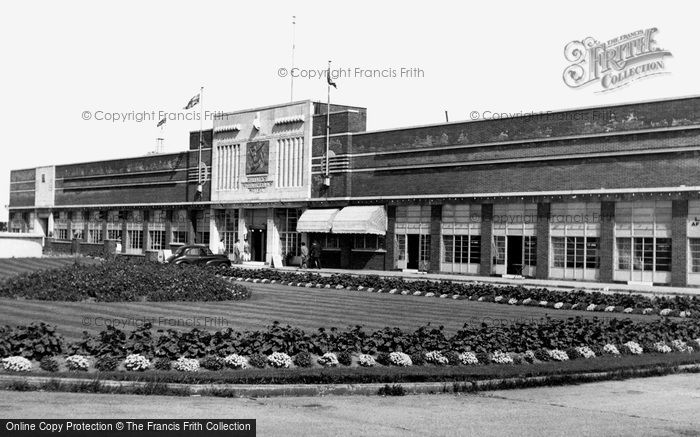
(304, 256)
(315, 255)
(237, 250)
(221, 248)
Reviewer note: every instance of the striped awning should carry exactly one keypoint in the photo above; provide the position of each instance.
(227, 128)
(316, 220)
(290, 119)
(360, 220)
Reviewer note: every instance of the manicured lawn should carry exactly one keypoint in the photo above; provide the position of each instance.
(13, 266)
(306, 308)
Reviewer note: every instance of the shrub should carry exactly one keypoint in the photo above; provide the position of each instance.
(452, 358)
(212, 363)
(468, 358)
(162, 364)
(257, 360)
(392, 390)
(302, 359)
(329, 359)
(77, 362)
(400, 359)
(383, 359)
(186, 364)
(436, 357)
(418, 358)
(365, 360)
(344, 358)
(106, 364)
(235, 361)
(123, 280)
(16, 364)
(49, 364)
(33, 341)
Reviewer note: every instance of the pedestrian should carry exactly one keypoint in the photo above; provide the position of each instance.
(246, 250)
(304, 256)
(221, 248)
(237, 250)
(315, 255)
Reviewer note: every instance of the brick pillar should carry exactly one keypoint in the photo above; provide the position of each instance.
(105, 219)
(168, 228)
(679, 243)
(86, 227)
(390, 240)
(435, 243)
(125, 234)
(607, 241)
(486, 238)
(542, 270)
(145, 236)
(345, 251)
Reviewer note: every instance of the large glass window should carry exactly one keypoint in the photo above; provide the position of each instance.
(227, 223)
(156, 239)
(575, 252)
(461, 249)
(499, 252)
(287, 225)
(694, 244)
(644, 254)
(368, 242)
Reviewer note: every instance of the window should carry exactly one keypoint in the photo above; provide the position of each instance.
(94, 235)
(530, 251)
(424, 249)
(114, 234)
(157, 239)
(287, 226)
(462, 249)
(43, 178)
(368, 242)
(135, 239)
(499, 253)
(227, 224)
(401, 247)
(180, 237)
(575, 252)
(77, 225)
(694, 244)
(61, 234)
(644, 254)
(202, 237)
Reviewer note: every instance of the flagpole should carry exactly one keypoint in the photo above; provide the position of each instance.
(201, 121)
(291, 72)
(327, 177)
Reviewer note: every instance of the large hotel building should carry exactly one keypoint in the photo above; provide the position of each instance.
(608, 194)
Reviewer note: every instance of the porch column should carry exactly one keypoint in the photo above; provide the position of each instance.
(679, 243)
(607, 241)
(390, 240)
(542, 269)
(435, 243)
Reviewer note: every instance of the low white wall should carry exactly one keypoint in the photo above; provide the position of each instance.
(20, 245)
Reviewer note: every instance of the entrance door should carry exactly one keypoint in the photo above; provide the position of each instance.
(514, 255)
(257, 245)
(413, 249)
(44, 223)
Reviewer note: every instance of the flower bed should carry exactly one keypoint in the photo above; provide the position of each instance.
(545, 340)
(122, 280)
(627, 303)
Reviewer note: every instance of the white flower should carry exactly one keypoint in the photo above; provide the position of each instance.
(527, 301)
(431, 294)
(585, 352)
(136, 362)
(279, 359)
(558, 305)
(609, 309)
(543, 303)
(628, 310)
(574, 306)
(512, 301)
(681, 346)
(16, 364)
(662, 348)
(501, 358)
(665, 311)
(436, 357)
(186, 364)
(529, 355)
(480, 299)
(329, 359)
(468, 358)
(591, 307)
(498, 298)
(684, 314)
(633, 347)
(558, 355)
(366, 360)
(77, 362)
(611, 349)
(400, 359)
(235, 361)
(647, 311)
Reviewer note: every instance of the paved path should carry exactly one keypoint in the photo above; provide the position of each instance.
(660, 406)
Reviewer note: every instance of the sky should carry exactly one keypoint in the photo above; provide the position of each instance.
(61, 59)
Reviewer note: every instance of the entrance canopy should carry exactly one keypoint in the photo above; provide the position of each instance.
(360, 220)
(316, 220)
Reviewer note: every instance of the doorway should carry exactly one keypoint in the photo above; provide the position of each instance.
(413, 249)
(514, 255)
(257, 244)
(44, 223)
